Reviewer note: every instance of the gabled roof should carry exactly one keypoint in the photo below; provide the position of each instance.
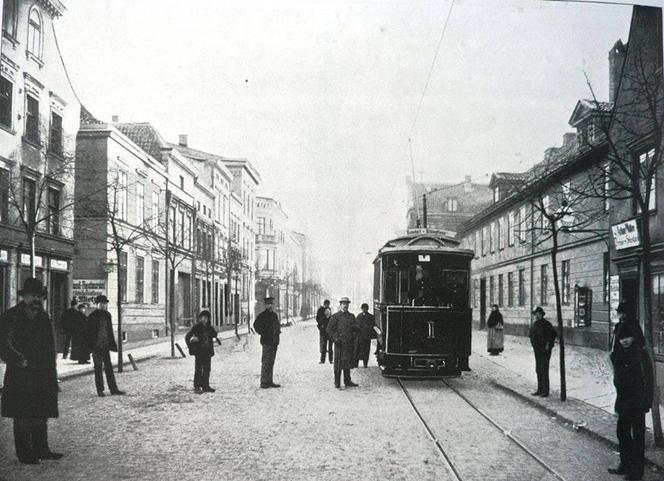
(87, 118)
(512, 178)
(585, 107)
(199, 155)
(145, 136)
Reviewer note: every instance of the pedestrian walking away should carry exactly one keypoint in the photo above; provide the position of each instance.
(268, 326)
(80, 350)
(69, 321)
(542, 338)
(200, 340)
(495, 339)
(101, 342)
(30, 393)
(343, 330)
(633, 380)
(325, 343)
(366, 333)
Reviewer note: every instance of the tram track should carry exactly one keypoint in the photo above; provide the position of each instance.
(445, 454)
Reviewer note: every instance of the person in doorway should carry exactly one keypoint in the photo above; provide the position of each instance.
(268, 326)
(69, 321)
(343, 329)
(101, 342)
(495, 325)
(30, 393)
(325, 343)
(200, 340)
(366, 333)
(79, 347)
(542, 338)
(633, 379)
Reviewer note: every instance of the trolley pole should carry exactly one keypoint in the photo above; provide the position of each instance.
(424, 211)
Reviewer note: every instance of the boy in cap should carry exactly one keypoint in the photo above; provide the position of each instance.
(199, 340)
(101, 342)
(30, 393)
(542, 338)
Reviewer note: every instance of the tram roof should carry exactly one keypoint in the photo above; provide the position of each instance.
(423, 242)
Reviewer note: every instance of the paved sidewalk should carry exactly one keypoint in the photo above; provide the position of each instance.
(590, 391)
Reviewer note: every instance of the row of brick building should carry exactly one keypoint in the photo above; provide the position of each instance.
(114, 208)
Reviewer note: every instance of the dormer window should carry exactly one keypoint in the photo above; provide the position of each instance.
(496, 194)
(35, 33)
(452, 204)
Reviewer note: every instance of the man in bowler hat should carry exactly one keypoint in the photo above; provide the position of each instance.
(633, 379)
(268, 326)
(542, 338)
(325, 343)
(101, 342)
(30, 394)
(343, 329)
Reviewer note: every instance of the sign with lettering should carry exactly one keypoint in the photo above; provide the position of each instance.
(4, 256)
(25, 260)
(626, 235)
(59, 264)
(86, 290)
(614, 296)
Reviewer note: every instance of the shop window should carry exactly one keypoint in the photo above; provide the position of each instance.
(6, 90)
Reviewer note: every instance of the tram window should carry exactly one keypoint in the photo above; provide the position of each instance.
(390, 291)
(455, 288)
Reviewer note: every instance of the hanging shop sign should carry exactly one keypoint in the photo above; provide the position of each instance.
(85, 290)
(626, 235)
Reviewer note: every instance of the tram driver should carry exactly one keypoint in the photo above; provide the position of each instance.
(422, 293)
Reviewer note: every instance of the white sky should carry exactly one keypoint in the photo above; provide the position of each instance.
(320, 96)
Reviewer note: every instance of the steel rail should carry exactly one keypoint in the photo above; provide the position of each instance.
(506, 432)
(432, 436)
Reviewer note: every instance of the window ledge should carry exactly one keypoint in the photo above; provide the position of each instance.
(13, 40)
(31, 56)
(56, 155)
(7, 129)
(31, 142)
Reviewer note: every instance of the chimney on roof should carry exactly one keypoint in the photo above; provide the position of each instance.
(569, 139)
(183, 140)
(115, 119)
(467, 184)
(616, 61)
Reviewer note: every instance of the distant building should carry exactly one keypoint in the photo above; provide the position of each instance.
(39, 118)
(448, 205)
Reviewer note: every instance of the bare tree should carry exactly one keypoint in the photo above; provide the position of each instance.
(633, 130)
(233, 264)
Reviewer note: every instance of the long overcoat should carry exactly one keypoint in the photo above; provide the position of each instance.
(32, 391)
(80, 351)
(100, 319)
(268, 326)
(343, 330)
(632, 371)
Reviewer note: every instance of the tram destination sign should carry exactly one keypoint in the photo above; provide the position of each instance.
(626, 235)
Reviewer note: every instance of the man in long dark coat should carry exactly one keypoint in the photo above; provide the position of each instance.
(366, 323)
(542, 338)
(268, 326)
(343, 329)
(102, 342)
(30, 393)
(69, 321)
(200, 340)
(325, 343)
(80, 351)
(633, 379)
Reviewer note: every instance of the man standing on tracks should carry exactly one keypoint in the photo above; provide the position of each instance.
(322, 319)
(542, 338)
(633, 378)
(343, 329)
(268, 326)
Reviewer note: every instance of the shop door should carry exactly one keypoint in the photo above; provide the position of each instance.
(57, 303)
(482, 303)
(629, 292)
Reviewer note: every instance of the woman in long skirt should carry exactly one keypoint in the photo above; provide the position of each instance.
(495, 339)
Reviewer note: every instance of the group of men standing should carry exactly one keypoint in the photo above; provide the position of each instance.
(345, 338)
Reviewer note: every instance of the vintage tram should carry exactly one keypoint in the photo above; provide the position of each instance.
(421, 290)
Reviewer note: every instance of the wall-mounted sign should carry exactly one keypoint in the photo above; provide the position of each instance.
(59, 264)
(25, 260)
(4, 256)
(614, 296)
(626, 235)
(86, 290)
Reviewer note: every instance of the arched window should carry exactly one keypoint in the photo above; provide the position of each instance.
(35, 32)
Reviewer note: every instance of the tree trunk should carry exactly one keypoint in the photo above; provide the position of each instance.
(648, 324)
(118, 299)
(559, 314)
(171, 307)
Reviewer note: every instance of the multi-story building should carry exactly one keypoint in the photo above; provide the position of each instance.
(39, 118)
(445, 206)
(121, 192)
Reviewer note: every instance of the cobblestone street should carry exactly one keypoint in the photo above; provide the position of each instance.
(307, 429)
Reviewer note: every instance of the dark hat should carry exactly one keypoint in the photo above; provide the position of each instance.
(205, 313)
(540, 310)
(623, 307)
(268, 300)
(344, 299)
(33, 286)
(364, 304)
(101, 299)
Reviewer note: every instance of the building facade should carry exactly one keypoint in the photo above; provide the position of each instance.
(39, 118)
